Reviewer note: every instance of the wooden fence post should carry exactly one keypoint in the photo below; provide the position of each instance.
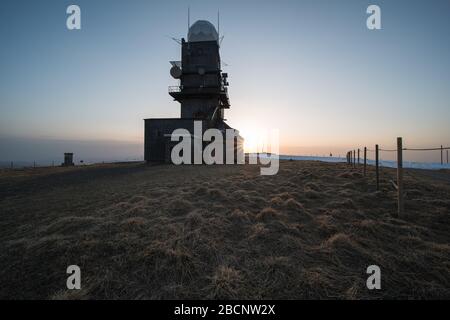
(447, 156)
(365, 160)
(358, 156)
(442, 158)
(400, 176)
(376, 167)
(354, 158)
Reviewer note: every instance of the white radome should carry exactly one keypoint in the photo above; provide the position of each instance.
(202, 30)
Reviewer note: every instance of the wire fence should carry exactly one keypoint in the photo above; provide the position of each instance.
(7, 165)
(411, 149)
(353, 159)
(418, 149)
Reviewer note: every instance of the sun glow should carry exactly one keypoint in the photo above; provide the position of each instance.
(255, 139)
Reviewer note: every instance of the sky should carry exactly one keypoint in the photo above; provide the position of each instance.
(309, 68)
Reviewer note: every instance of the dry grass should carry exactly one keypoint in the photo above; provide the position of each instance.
(221, 232)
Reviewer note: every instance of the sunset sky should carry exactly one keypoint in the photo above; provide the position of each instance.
(309, 68)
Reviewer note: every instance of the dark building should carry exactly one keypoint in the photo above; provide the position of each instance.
(68, 160)
(202, 94)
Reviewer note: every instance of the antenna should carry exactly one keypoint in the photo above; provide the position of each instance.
(189, 20)
(174, 39)
(218, 23)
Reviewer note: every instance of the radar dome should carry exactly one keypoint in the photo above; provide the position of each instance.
(202, 30)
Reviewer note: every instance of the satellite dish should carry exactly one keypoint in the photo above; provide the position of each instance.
(175, 72)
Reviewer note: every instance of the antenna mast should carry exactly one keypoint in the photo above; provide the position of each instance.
(189, 21)
(218, 23)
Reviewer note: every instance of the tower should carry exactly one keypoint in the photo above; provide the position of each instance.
(202, 93)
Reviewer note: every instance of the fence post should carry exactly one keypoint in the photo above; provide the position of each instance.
(447, 156)
(442, 158)
(358, 156)
(400, 176)
(376, 167)
(365, 160)
(354, 158)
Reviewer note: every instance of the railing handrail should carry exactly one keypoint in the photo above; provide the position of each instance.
(179, 88)
(174, 88)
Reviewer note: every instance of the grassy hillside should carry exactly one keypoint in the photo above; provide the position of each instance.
(156, 232)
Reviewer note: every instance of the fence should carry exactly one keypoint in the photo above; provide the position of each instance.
(351, 160)
(28, 164)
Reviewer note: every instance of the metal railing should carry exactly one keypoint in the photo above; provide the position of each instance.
(180, 88)
(175, 89)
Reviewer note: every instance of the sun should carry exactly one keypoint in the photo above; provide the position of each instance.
(255, 139)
